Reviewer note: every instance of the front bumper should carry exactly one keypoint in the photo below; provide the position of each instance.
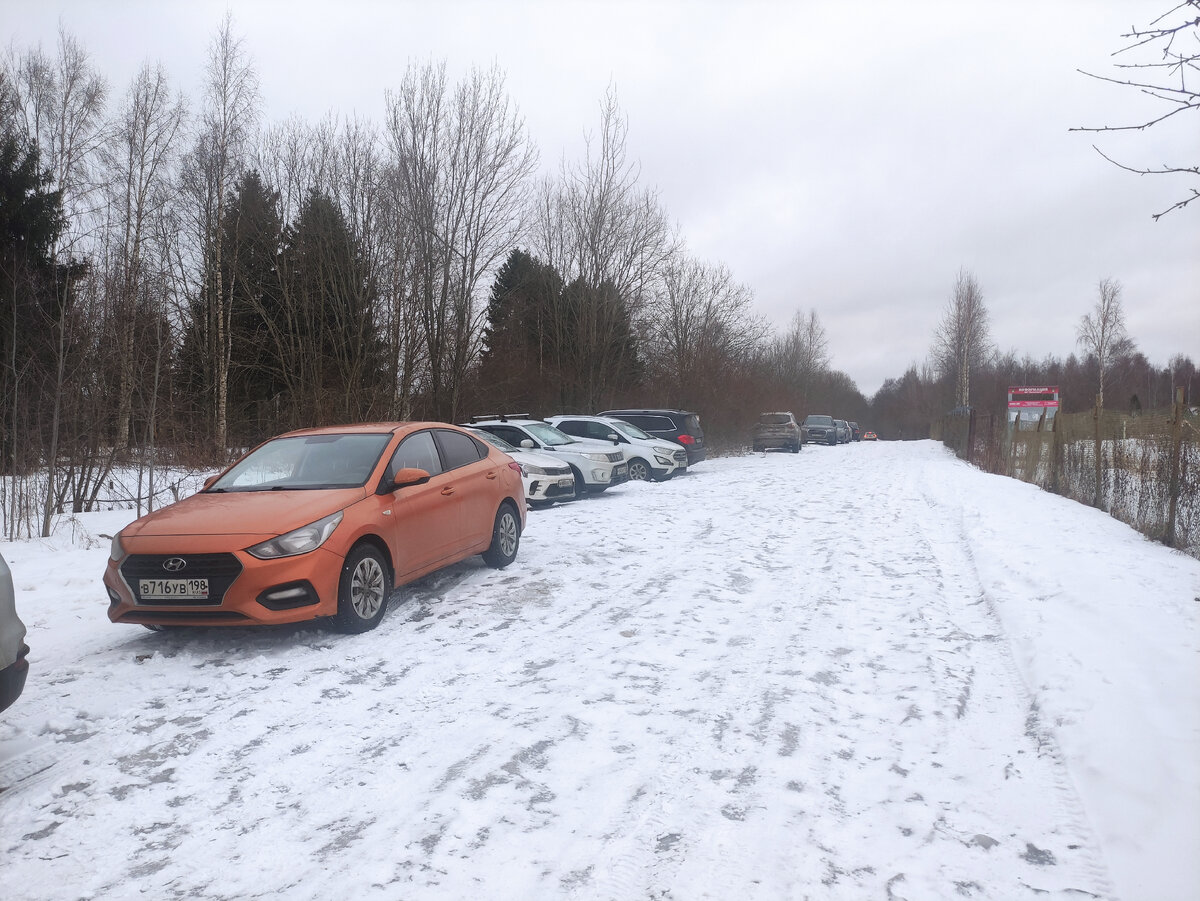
(550, 488)
(263, 592)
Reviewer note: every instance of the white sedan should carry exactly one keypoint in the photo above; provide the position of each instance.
(546, 479)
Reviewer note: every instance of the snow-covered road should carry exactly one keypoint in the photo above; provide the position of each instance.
(857, 672)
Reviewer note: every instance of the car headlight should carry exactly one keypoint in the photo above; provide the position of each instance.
(667, 452)
(599, 458)
(116, 553)
(535, 470)
(300, 541)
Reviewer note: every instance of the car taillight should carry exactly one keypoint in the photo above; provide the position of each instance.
(516, 467)
(686, 439)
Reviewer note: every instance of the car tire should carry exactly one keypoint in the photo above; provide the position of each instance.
(363, 590)
(506, 538)
(796, 448)
(832, 442)
(639, 470)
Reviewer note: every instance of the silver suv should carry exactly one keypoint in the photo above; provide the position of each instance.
(776, 430)
(14, 653)
(595, 466)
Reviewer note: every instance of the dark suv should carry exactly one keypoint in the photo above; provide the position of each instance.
(819, 428)
(674, 425)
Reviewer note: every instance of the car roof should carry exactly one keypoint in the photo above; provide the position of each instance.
(483, 422)
(660, 410)
(367, 428)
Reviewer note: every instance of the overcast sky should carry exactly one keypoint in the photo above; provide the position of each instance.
(848, 158)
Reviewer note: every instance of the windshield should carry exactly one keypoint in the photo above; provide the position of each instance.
(629, 430)
(306, 462)
(818, 420)
(548, 434)
(494, 440)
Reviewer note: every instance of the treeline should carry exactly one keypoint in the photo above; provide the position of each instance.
(964, 368)
(178, 275)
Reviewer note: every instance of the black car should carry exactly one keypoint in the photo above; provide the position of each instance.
(674, 425)
(819, 428)
(855, 431)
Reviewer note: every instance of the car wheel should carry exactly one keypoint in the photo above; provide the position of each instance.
(832, 442)
(639, 470)
(363, 590)
(506, 538)
(796, 448)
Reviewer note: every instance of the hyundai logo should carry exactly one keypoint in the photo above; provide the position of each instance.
(174, 564)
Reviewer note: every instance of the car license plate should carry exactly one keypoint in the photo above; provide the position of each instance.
(566, 483)
(619, 470)
(173, 589)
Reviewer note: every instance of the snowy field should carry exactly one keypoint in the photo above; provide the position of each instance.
(863, 672)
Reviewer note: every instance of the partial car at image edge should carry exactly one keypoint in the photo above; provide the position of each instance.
(14, 652)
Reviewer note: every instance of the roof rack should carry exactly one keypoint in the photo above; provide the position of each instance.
(503, 417)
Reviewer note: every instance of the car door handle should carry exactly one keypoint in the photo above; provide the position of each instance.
(491, 474)
(447, 491)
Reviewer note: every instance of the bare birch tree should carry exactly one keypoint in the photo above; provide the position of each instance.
(228, 118)
(462, 159)
(138, 157)
(599, 224)
(961, 342)
(1102, 332)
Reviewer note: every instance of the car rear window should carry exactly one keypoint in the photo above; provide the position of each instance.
(651, 423)
(775, 418)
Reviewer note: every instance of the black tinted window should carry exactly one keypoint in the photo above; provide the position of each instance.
(457, 449)
(572, 427)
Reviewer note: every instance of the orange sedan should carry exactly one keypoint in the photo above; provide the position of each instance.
(319, 523)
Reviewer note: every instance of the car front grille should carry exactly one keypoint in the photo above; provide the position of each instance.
(220, 569)
(680, 457)
(615, 457)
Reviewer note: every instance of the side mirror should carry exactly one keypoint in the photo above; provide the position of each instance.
(614, 437)
(208, 483)
(404, 478)
(527, 443)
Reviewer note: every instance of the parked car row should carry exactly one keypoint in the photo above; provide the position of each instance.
(599, 451)
(820, 428)
(323, 523)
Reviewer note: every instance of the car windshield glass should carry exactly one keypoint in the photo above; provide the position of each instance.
(775, 418)
(548, 434)
(494, 440)
(629, 430)
(306, 462)
(818, 420)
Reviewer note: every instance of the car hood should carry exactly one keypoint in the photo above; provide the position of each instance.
(252, 514)
(533, 458)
